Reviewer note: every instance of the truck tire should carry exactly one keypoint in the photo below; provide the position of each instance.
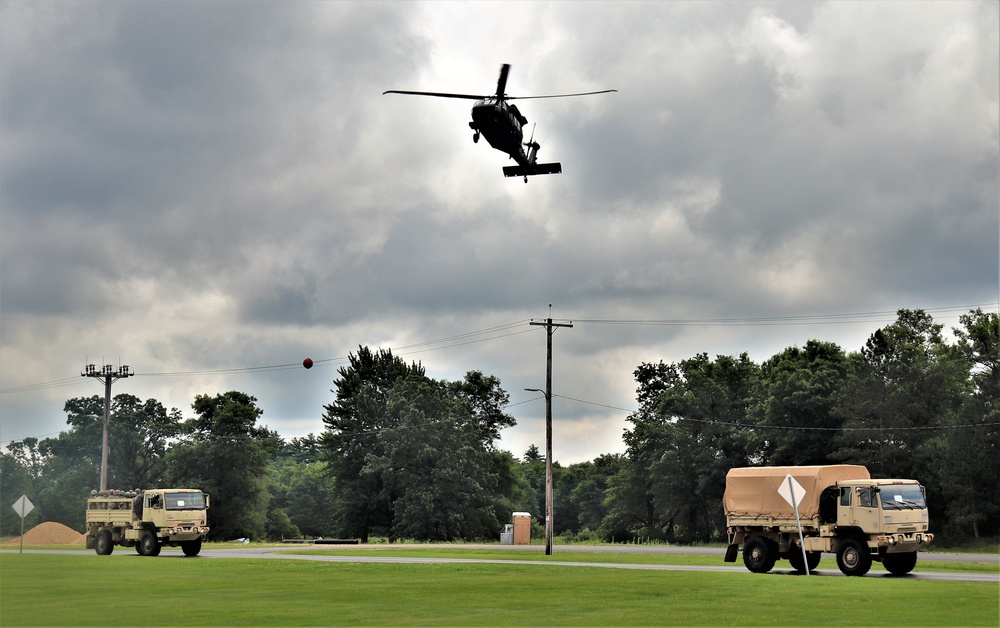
(900, 564)
(853, 558)
(795, 558)
(103, 544)
(149, 545)
(191, 548)
(759, 554)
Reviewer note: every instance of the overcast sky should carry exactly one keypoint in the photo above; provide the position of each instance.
(197, 189)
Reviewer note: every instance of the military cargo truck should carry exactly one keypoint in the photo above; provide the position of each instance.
(147, 520)
(843, 512)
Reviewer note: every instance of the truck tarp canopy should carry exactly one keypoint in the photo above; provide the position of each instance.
(753, 491)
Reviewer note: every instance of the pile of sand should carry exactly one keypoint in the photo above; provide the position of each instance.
(51, 533)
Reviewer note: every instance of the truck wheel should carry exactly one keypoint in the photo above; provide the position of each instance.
(102, 543)
(900, 564)
(759, 554)
(853, 558)
(812, 559)
(191, 548)
(149, 545)
(795, 558)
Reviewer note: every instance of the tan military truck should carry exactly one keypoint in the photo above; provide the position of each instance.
(842, 510)
(147, 520)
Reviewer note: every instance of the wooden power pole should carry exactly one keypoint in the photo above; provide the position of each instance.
(549, 329)
(109, 375)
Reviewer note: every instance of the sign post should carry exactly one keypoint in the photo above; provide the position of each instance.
(793, 492)
(22, 507)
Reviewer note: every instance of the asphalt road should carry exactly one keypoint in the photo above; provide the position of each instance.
(373, 555)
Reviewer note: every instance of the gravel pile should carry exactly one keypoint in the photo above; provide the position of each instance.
(50, 533)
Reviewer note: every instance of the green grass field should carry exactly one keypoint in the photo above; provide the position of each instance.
(566, 554)
(85, 589)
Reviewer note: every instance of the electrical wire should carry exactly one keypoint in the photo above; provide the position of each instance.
(513, 328)
(804, 428)
(814, 319)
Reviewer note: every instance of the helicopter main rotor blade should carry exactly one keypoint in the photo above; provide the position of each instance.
(436, 94)
(502, 81)
(603, 91)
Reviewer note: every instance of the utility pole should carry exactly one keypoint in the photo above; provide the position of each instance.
(107, 373)
(549, 329)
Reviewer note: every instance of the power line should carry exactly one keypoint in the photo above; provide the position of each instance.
(793, 427)
(483, 335)
(57, 383)
(514, 328)
(808, 319)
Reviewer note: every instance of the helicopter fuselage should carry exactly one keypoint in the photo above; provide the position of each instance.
(502, 125)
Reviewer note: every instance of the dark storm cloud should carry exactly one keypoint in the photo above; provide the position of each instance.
(200, 186)
(153, 150)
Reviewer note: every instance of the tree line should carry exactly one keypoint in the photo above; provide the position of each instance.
(406, 456)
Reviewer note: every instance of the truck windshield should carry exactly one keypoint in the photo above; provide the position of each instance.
(902, 496)
(185, 501)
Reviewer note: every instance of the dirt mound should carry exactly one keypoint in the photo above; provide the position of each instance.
(50, 533)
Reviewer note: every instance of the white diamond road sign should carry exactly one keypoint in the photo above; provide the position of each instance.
(23, 506)
(786, 491)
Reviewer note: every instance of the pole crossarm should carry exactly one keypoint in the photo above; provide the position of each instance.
(550, 328)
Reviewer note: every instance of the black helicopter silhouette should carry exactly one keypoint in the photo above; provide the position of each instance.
(502, 124)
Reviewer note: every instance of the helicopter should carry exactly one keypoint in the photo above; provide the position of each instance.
(502, 124)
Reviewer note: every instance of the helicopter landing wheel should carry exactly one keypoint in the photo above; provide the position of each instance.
(475, 138)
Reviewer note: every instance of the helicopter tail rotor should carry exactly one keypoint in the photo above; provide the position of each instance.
(532, 147)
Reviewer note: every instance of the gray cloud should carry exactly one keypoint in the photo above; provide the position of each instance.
(205, 186)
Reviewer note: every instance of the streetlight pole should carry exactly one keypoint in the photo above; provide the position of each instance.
(109, 375)
(549, 329)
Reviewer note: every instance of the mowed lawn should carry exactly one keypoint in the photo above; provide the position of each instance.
(85, 589)
(566, 554)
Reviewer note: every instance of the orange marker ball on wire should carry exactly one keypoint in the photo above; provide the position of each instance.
(308, 363)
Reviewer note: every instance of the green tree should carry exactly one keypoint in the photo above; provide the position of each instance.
(691, 428)
(796, 395)
(591, 492)
(632, 509)
(532, 454)
(20, 468)
(226, 455)
(580, 493)
(905, 383)
(354, 423)
(137, 439)
(964, 464)
(414, 457)
(301, 486)
(436, 476)
(533, 473)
